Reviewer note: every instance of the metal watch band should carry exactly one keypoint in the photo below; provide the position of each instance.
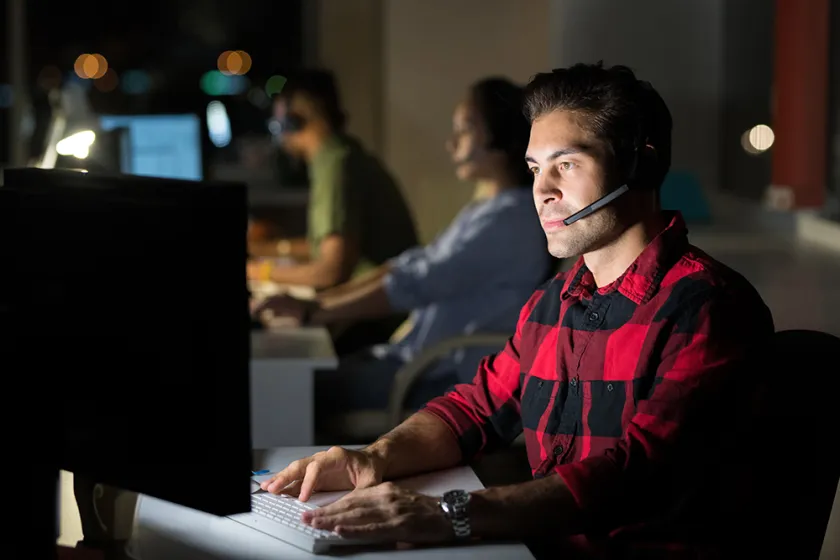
(461, 527)
(455, 505)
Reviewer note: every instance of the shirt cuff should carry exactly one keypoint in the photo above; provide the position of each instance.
(588, 480)
(400, 291)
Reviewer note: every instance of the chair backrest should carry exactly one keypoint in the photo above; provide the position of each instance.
(804, 390)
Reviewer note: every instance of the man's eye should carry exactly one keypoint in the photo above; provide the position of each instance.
(534, 170)
(566, 165)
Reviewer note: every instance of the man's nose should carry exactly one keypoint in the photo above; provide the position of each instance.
(546, 191)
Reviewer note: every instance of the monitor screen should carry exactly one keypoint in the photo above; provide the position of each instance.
(167, 146)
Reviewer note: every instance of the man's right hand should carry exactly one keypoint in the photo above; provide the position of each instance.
(283, 306)
(328, 471)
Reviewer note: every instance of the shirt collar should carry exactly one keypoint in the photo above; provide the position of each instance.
(641, 280)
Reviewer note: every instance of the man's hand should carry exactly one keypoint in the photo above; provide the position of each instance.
(328, 471)
(284, 306)
(384, 513)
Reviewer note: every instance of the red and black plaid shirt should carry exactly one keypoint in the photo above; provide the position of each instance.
(632, 392)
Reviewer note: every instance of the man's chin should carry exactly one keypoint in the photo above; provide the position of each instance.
(561, 250)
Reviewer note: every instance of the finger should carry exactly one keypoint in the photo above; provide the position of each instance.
(310, 479)
(347, 503)
(293, 472)
(325, 462)
(358, 497)
(377, 531)
(354, 517)
(292, 489)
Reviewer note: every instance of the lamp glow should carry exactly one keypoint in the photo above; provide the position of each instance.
(77, 145)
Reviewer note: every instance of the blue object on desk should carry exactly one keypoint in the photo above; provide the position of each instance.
(258, 473)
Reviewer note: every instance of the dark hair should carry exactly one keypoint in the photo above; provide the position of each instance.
(627, 114)
(499, 102)
(320, 87)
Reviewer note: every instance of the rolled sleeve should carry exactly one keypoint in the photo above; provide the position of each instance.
(702, 380)
(486, 413)
(447, 268)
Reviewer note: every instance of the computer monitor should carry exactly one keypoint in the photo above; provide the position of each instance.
(167, 146)
(125, 338)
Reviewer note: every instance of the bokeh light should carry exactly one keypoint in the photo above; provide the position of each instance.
(258, 98)
(274, 85)
(90, 66)
(5, 96)
(136, 82)
(215, 83)
(236, 63)
(108, 82)
(218, 124)
(758, 139)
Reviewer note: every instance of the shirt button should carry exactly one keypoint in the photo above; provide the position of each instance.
(609, 387)
(558, 450)
(594, 316)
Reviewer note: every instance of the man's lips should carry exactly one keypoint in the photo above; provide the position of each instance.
(553, 224)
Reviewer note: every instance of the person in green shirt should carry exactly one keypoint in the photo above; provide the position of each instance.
(357, 217)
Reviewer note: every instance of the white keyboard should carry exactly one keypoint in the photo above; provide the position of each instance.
(280, 517)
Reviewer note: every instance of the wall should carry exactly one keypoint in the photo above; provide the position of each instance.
(677, 46)
(404, 64)
(433, 50)
(348, 41)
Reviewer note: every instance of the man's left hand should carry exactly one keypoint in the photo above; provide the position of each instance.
(385, 513)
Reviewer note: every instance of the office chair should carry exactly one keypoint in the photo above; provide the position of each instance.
(805, 392)
(367, 425)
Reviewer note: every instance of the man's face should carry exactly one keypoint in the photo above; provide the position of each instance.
(569, 166)
(290, 141)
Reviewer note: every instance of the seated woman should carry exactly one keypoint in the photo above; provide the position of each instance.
(474, 277)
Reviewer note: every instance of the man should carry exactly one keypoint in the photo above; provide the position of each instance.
(630, 374)
(358, 218)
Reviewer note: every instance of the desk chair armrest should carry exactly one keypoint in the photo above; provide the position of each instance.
(411, 372)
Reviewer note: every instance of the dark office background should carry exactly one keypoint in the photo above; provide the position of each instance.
(160, 51)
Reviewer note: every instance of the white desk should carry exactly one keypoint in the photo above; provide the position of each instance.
(163, 530)
(283, 363)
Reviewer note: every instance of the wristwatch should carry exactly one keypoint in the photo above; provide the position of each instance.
(455, 505)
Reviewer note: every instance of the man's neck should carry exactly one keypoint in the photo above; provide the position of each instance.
(611, 261)
(492, 186)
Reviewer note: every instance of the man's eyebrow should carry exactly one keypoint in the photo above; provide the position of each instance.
(579, 149)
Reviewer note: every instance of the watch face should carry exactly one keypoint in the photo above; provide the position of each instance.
(456, 498)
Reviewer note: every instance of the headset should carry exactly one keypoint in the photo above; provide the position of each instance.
(489, 146)
(472, 155)
(643, 152)
(291, 122)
